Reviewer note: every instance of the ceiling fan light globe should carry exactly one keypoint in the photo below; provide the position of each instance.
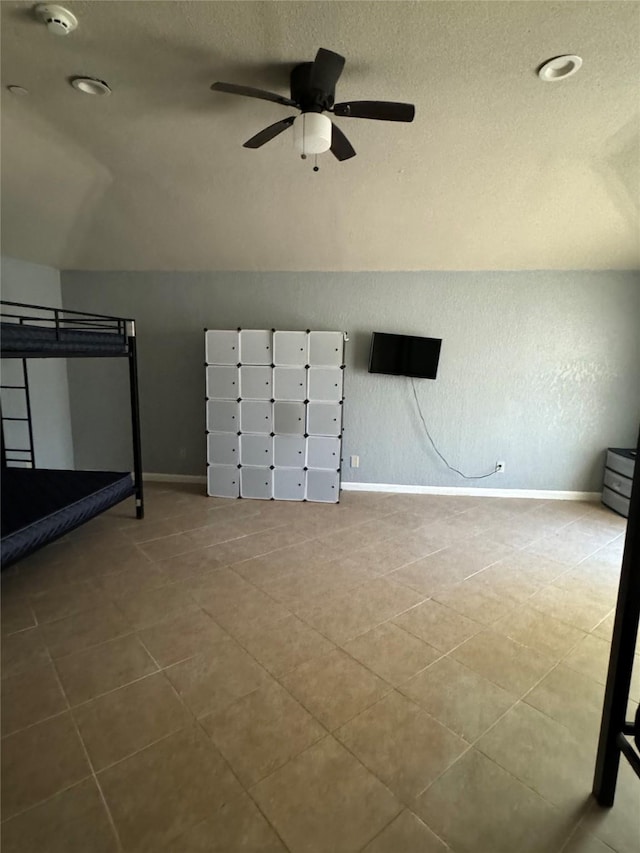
(312, 133)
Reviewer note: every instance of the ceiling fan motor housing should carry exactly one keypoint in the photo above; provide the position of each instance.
(309, 99)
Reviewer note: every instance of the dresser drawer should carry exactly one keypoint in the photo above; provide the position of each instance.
(620, 460)
(615, 502)
(617, 482)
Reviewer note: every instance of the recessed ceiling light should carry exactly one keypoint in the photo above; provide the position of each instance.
(559, 68)
(90, 86)
(18, 90)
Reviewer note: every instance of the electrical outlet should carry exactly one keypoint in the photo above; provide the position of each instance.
(354, 461)
(500, 467)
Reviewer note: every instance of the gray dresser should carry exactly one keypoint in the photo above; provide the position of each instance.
(618, 476)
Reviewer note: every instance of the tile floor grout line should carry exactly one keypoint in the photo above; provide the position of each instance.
(472, 744)
(89, 762)
(198, 722)
(46, 799)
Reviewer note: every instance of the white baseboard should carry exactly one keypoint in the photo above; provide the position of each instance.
(535, 494)
(173, 478)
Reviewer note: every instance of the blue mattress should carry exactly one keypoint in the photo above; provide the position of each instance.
(24, 338)
(40, 505)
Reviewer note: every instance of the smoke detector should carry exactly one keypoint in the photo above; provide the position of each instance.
(59, 21)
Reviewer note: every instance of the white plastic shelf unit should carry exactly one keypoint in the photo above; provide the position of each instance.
(274, 414)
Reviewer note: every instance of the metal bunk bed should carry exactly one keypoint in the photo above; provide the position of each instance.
(40, 505)
(617, 735)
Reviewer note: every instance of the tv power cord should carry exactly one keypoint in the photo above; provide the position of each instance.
(426, 429)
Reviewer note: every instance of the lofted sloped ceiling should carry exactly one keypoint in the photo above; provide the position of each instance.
(498, 170)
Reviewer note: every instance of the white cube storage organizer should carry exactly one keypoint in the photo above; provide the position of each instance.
(274, 414)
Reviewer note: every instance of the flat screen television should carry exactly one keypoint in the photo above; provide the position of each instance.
(404, 355)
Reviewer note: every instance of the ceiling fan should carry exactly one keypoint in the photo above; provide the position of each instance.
(313, 87)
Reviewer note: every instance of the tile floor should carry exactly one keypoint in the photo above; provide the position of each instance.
(395, 674)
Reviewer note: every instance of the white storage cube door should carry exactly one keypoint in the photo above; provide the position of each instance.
(323, 486)
(289, 484)
(221, 347)
(325, 383)
(326, 348)
(256, 416)
(222, 448)
(223, 481)
(255, 346)
(288, 418)
(255, 383)
(223, 382)
(290, 348)
(323, 452)
(289, 451)
(256, 483)
(223, 416)
(256, 449)
(324, 418)
(290, 383)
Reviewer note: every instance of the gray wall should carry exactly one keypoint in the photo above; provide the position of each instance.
(49, 391)
(539, 369)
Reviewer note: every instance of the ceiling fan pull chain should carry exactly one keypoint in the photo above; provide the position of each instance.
(316, 168)
(304, 137)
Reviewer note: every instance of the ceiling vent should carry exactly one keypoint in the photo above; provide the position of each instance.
(59, 20)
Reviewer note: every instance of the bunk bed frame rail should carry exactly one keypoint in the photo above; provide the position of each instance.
(38, 331)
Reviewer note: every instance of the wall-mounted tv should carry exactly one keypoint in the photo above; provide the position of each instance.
(404, 355)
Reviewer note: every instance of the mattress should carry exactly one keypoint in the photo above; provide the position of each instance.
(40, 505)
(24, 338)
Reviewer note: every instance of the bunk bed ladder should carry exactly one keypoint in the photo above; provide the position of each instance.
(25, 454)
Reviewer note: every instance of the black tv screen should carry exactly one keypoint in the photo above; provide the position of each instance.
(404, 355)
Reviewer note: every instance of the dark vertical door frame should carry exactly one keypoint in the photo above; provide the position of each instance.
(614, 728)
(135, 420)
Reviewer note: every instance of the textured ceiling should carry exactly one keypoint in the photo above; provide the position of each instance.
(498, 171)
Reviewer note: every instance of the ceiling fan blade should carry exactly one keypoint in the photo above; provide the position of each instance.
(341, 148)
(326, 70)
(381, 110)
(269, 133)
(250, 92)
